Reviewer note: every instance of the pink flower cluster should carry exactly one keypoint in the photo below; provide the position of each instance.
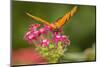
(36, 33)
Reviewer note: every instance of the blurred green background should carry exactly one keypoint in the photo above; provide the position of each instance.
(81, 28)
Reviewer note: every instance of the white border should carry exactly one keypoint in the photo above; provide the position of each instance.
(5, 39)
(82, 2)
(4, 33)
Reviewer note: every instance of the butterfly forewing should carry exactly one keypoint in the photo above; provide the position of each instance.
(65, 18)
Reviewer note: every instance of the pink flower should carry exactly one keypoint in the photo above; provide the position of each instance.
(56, 39)
(60, 38)
(68, 42)
(36, 33)
(41, 35)
(65, 39)
(31, 35)
(43, 31)
(48, 28)
(33, 27)
(45, 43)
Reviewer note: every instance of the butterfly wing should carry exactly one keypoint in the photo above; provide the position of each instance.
(40, 20)
(59, 23)
(65, 18)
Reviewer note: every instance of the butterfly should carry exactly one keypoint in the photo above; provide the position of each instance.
(59, 22)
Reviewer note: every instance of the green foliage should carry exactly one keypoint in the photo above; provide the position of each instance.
(52, 53)
(87, 55)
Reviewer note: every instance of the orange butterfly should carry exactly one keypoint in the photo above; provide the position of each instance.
(60, 22)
